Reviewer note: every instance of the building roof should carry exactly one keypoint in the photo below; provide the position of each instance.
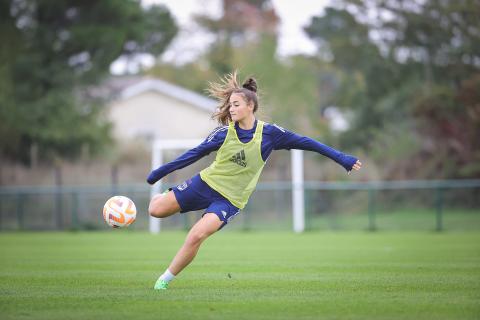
(124, 88)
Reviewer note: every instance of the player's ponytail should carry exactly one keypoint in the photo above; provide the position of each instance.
(223, 90)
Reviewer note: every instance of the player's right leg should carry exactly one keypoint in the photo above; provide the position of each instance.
(163, 205)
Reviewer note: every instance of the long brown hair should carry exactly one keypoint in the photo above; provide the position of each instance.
(223, 90)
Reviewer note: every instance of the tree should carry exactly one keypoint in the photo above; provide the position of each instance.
(243, 22)
(56, 50)
(247, 40)
(414, 60)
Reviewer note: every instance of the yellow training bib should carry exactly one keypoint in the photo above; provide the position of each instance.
(237, 167)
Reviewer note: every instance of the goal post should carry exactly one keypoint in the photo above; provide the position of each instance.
(157, 160)
(298, 191)
(298, 205)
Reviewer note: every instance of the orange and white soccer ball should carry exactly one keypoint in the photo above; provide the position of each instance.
(119, 212)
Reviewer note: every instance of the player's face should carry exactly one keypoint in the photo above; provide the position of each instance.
(239, 109)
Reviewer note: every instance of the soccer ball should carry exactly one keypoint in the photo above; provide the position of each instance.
(119, 211)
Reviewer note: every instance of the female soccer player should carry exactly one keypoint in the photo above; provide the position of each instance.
(243, 145)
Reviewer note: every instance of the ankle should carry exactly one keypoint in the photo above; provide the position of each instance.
(167, 276)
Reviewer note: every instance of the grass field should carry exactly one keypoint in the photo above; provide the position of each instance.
(342, 275)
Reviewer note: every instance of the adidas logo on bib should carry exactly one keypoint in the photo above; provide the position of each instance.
(239, 158)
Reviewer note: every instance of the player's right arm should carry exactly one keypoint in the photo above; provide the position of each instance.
(212, 143)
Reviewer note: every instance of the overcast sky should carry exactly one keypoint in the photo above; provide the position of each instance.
(190, 41)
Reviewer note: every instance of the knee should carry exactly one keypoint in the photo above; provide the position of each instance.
(196, 238)
(157, 207)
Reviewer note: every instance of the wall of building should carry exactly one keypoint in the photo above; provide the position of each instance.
(151, 114)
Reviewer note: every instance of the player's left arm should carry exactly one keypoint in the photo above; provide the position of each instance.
(284, 139)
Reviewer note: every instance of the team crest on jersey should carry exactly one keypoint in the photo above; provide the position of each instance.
(239, 158)
(183, 186)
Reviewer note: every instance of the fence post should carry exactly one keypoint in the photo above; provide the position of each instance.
(58, 196)
(439, 208)
(371, 210)
(1, 207)
(246, 219)
(75, 210)
(186, 225)
(20, 211)
(308, 222)
(114, 179)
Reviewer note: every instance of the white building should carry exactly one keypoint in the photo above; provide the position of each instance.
(151, 108)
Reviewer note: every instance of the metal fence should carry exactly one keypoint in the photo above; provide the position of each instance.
(384, 205)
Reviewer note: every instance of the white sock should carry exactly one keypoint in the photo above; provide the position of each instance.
(167, 276)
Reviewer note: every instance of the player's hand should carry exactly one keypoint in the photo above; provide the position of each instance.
(152, 178)
(356, 166)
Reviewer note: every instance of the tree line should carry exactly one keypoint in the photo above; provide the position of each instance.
(51, 53)
(405, 73)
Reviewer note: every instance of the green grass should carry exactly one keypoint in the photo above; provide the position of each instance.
(405, 219)
(343, 275)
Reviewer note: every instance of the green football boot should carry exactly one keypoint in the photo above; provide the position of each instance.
(161, 285)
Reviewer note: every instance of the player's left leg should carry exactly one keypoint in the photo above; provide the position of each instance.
(206, 226)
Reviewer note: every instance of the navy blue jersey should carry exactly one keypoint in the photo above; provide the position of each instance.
(273, 138)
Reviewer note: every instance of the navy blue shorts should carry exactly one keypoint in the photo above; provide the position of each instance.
(195, 194)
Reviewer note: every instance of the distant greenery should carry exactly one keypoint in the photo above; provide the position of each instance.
(289, 93)
(55, 51)
(409, 82)
(418, 68)
(405, 73)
